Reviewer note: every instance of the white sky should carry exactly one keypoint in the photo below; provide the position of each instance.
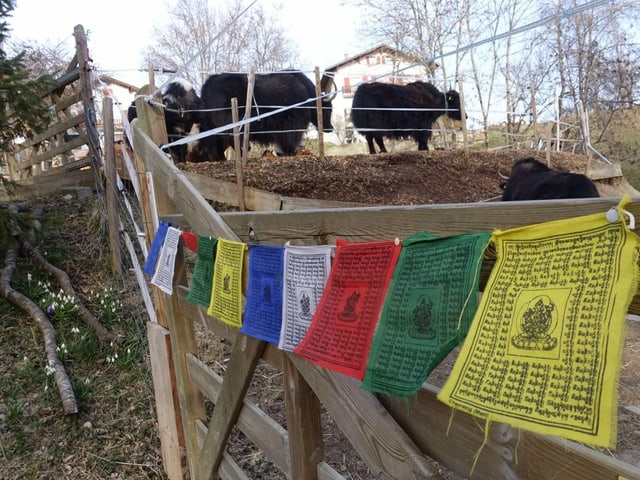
(118, 31)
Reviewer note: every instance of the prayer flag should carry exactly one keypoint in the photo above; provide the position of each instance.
(191, 241)
(306, 269)
(544, 350)
(263, 313)
(163, 277)
(427, 312)
(341, 329)
(226, 290)
(202, 279)
(154, 250)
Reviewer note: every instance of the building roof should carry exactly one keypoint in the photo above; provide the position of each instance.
(114, 81)
(382, 48)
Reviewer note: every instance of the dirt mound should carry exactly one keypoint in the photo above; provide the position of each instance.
(401, 178)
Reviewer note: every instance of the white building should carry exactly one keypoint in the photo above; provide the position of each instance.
(382, 64)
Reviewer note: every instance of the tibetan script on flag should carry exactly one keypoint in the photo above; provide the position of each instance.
(428, 310)
(226, 292)
(263, 313)
(543, 352)
(342, 327)
(306, 270)
(201, 281)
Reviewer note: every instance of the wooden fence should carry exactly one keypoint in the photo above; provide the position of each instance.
(395, 438)
(68, 152)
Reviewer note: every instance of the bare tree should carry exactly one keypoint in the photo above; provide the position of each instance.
(42, 58)
(426, 28)
(588, 46)
(202, 40)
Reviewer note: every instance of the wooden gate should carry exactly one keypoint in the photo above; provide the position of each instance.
(68, 152)
(395, 438)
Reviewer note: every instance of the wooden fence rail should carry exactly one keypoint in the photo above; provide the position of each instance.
(395, 438)
(53, 159)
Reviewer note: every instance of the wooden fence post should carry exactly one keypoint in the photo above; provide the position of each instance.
(88, 105)
(168, 410)
(239, 155)
(112, 201)
(319, 113)
(463, 115)
(247, 115)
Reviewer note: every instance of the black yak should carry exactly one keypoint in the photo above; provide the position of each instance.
(533, 180)
(401, 111)
(271, 92)
(182, 110)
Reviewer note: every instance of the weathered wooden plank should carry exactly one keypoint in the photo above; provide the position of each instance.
(507, 454)
(67, 79)
(373, 433)
(294, 203)
(605, 171)
(186, 399)
(43, 185)
(315, 226)
(303, 420)
(53, 152)
(166, 408)
(191, 402)
(227, 192)
(68, 100)
(229, 469)
(271, 354)
(244, 357)
(255, 199)
(54, 130)
(265, 432)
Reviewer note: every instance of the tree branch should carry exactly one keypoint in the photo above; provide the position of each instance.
(65, 389)
(63, 280)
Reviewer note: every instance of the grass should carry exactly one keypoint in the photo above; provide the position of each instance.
(114, 435)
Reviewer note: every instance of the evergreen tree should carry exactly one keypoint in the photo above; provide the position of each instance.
(23, 109)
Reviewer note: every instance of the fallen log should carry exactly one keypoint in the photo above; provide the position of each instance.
(69, 404)
(65, 283)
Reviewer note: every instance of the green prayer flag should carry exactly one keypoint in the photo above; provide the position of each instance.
(429, 307)
(200, 291)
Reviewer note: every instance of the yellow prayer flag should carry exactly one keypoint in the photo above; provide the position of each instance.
(544, 349)
(226, 290)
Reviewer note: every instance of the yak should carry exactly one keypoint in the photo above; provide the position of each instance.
(533, 180)
(401, 111)
(182, 110)
(271, 92)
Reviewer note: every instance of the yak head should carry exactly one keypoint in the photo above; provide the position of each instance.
(453, 106)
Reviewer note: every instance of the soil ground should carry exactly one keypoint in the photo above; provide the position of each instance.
(401, 178)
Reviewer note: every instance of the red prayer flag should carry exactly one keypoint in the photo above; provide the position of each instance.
(191, 241)
(342, 327)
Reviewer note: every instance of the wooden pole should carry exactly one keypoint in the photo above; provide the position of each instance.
(112, 199)
(239, 155)
(247, 115)
(87, 104)
(170, 427)
(463, 115)
(319, 113)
